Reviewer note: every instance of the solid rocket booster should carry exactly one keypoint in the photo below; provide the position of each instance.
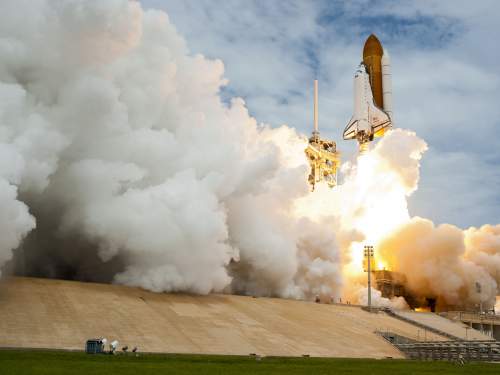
(387, 84)
(372, 115)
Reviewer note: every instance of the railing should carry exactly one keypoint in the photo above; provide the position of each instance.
(453, 350)
(422, 325)
(459, 351)
(471, 317)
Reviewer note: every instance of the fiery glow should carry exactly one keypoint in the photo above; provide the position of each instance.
(379, 203)
(369, 207)
(381, 265)
(371, 201)
(423, 309)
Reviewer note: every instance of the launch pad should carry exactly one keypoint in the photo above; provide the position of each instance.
(390, 284)
(57, 314)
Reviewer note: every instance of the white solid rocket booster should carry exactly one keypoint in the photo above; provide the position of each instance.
(387, 84)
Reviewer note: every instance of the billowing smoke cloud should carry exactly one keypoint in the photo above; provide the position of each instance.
(15, 220)
(136, 172)
(440, 262)
(116, 146)
(457, 268)
(396, 303)
(434, 260)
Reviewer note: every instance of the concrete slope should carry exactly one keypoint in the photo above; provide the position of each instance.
(42, 313)
(435, 321)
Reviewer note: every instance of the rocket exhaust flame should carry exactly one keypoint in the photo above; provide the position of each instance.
(437, 261)
(105, 179)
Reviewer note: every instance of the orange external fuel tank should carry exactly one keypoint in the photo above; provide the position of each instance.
(372, 58)
(372, 112)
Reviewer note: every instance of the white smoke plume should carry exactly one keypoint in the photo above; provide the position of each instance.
(440, 262)
(115, 140)
(460, 269)
(395, 303)
(135, 170)
(434, 260)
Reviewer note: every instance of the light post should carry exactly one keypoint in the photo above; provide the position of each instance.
(368, 253)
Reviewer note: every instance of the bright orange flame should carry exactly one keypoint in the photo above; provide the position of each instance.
(380, 201)
(423, 309)
(371, 200)
(381, 265)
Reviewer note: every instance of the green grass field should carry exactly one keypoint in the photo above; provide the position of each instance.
(55, 362)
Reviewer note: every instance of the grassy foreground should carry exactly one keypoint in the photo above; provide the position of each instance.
(55, 362)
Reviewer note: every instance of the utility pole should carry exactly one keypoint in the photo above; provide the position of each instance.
(368, 252)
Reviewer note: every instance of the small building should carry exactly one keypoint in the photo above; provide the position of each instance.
(94, 346)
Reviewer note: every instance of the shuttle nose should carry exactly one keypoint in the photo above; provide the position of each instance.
(372, 47)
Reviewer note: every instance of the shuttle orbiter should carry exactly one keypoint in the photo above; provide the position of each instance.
(372, 115)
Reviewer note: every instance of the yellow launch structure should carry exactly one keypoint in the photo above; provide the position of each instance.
(321, 153)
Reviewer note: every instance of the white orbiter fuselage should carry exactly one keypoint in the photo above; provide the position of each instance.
(367, 119)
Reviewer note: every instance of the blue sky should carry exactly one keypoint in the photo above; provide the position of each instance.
(446, 79)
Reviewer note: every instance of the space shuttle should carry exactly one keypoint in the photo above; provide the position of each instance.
(372, 115)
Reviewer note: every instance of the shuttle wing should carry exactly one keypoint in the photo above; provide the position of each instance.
(379, 120)
(351, 129)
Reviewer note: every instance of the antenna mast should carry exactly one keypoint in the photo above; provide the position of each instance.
(316, 131)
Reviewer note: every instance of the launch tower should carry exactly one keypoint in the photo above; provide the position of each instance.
(321, 153)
